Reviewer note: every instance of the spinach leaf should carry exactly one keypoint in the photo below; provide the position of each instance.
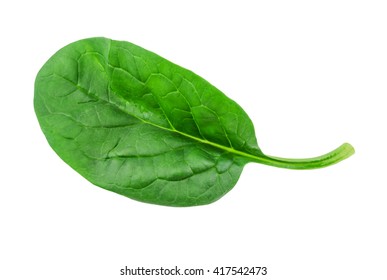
(136, 124)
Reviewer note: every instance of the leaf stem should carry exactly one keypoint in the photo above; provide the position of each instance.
(335, 156)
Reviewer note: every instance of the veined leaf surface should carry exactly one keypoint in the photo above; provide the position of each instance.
(139, 125)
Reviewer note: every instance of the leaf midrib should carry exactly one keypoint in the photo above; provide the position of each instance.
(203, 141)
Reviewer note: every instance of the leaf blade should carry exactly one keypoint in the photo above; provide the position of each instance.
(101, 101)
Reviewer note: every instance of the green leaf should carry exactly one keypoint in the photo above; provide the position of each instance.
(136, 124)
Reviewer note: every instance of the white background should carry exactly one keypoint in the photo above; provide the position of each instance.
(310, 74)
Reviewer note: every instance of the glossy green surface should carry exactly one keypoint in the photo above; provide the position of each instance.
(134, 123)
